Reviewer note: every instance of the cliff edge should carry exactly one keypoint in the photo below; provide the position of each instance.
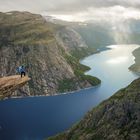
(136, 66)
(50, 53)
(10, 84)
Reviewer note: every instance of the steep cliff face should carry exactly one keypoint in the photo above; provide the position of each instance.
(117, 118)
(136, 67)
(10, 84)
(28, 39)
(70, 39)
(72, 42)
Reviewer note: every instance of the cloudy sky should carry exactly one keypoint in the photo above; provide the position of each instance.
(77, 10)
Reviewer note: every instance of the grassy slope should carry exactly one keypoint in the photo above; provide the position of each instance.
(117, 118)
(24, 29)
(79, 69)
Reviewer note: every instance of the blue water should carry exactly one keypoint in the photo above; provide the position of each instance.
(36, 118)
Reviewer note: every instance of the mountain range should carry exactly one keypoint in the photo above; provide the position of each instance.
(50, 52)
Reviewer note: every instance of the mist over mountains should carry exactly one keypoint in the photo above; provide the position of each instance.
(100, 33)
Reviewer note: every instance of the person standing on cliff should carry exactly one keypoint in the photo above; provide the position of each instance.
(21, 70)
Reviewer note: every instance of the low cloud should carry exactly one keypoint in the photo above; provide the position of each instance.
(81, 9)
(63, 6)
(111, 14)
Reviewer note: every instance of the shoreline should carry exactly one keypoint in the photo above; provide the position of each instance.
(56, 94)
(136, 66)
(73, 92)
(65, 93)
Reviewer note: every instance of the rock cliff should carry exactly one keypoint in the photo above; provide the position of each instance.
(10, 84)
(46, 50)
(136, 67)
(117, 118)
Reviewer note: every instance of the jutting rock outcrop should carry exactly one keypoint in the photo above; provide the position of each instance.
(9, 85)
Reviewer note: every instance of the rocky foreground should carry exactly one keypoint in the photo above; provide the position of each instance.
(117, 118)
(10, 84)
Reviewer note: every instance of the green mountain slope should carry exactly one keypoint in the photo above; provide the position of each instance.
(117, 118)
(46, 49)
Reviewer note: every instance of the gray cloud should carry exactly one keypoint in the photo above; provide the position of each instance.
(78, 10)
(62, 6)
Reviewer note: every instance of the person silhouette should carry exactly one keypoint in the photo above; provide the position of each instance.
(21, 70)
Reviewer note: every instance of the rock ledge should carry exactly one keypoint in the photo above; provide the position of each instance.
(10, 84)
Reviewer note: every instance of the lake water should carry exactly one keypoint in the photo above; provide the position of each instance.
(39, 117)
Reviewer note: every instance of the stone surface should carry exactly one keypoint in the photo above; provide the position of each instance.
(8, 85)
